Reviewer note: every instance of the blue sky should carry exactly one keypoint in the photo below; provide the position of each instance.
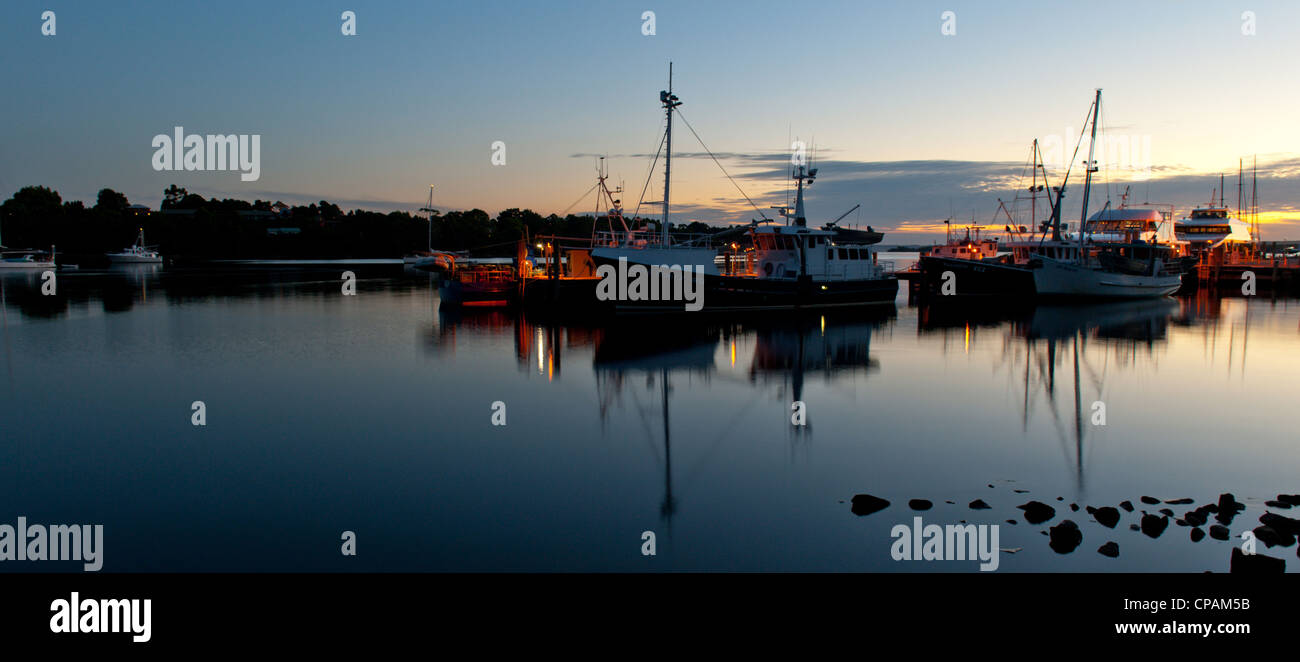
(909, 122)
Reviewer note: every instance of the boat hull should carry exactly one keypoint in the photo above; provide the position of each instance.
(1053, 278)
(721, 294)
(35, 264)
(974, 278)
(134, 259)
(474, 295)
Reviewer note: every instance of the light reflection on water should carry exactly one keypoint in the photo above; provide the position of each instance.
(372, 413)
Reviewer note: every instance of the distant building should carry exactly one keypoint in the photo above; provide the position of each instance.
(139, 210)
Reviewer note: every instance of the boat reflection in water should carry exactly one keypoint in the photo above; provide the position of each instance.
(638, 363)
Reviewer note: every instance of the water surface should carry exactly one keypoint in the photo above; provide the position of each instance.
(372, 413)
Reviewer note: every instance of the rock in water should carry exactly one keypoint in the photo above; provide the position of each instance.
(919, 504)
(1106, 516)
(1278, 504)
(1126, 505)
(1228, 508)
(1197, 535)
(1167, 512)
(1037, 512)
(1281, 523)
(1293, 499)
(1196, 517)
(865, 504)
(1110, 549)
(1219, 532)
(1153, 526)
(1272, 537)
(979, 504)
(1074, 507)
(1150, 501)
(1255, 564)
(1178, 502)
(1065, 536)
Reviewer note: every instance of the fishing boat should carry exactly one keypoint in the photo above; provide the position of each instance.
(479, 285)
(1117, 270)
(136, 254)
(633, 245)
(790, 266)
(964, 269)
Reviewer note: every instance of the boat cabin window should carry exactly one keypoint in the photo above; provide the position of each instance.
(844, 253)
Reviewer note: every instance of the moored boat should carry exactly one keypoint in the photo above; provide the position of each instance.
(136, 254)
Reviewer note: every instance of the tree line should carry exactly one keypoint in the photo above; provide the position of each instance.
(191, 226)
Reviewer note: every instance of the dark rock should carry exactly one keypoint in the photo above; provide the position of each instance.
(1228, 508)
(1126, 505)
(1255, 564)
(949, 501)
(1060, 498)
(1179, 502)
(1281, 523)
(1074, 507)
(1272, 537)
(1219, 532)
(1181, 522)
(1278, 504)
(979, 504)
(1106, 516)
(1167, 512)
(1293, 499)
(1197, 534)
(1151, 501)
(1065, 536)
(1153, 526)
(919, 504)
(1037, 512)
(865, 504)
(990, 485)
(1134, 527)
(1110, 549)
(1011, 521)
(1196, 517)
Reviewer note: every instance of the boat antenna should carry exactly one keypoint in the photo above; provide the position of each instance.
(670, 102)
(1089, 167)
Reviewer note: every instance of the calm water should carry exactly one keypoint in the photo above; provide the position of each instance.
(372, 413)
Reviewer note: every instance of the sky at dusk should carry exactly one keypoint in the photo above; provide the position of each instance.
(913, 124)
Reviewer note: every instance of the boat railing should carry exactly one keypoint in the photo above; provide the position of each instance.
(648, 238)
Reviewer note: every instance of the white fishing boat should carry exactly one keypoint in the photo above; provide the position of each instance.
(27, 259)
(1117, 270)
(641, 246)
(136, 254)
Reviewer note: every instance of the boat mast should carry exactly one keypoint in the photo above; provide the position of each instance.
(1089, 167)
(669, 100)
